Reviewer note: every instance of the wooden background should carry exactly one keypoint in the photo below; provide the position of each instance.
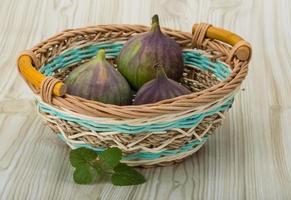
(248, 158)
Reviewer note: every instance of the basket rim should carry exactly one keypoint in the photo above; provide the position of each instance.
(178, 104)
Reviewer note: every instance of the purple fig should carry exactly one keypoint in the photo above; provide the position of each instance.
(98, 80)
(142, 52)
(159, 89)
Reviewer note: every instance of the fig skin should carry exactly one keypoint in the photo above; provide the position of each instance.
(142, 52)
(159, 89)
(98, 80)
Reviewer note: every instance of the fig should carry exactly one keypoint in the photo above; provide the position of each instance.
(159, 89)
(98, 80)
(138, 56)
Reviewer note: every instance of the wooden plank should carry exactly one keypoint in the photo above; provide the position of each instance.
(249, 157)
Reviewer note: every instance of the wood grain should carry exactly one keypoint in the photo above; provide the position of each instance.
(249, 157)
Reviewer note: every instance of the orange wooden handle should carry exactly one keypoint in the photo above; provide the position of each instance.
(228, 37)
(35, 77)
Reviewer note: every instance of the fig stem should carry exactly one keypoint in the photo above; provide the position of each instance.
(155, 23)
(160, 72)
(100, 55)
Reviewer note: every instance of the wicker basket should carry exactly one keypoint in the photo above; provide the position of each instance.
(216, 63)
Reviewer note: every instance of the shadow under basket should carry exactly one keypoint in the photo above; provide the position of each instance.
(216, 63)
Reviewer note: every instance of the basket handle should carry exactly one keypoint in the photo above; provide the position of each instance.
(34, 77)
(242, 48)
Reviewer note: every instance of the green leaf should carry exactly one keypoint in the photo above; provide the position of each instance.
(125, 175)
(111, 157)
(99, 168)
(81, 156)
(83, 175)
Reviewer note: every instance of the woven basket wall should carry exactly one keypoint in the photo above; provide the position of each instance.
(156, 134)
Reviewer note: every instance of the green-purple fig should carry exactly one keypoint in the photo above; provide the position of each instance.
(143, 51)
(98, 80)
(159, 89)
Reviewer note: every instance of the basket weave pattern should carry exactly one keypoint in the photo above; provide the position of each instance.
(156, 134)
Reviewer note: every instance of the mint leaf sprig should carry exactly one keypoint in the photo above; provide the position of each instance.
(89, 165)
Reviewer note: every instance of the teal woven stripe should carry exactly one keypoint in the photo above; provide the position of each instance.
(186, 122)
(147, 155)
(220, 70)
(73, 56)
